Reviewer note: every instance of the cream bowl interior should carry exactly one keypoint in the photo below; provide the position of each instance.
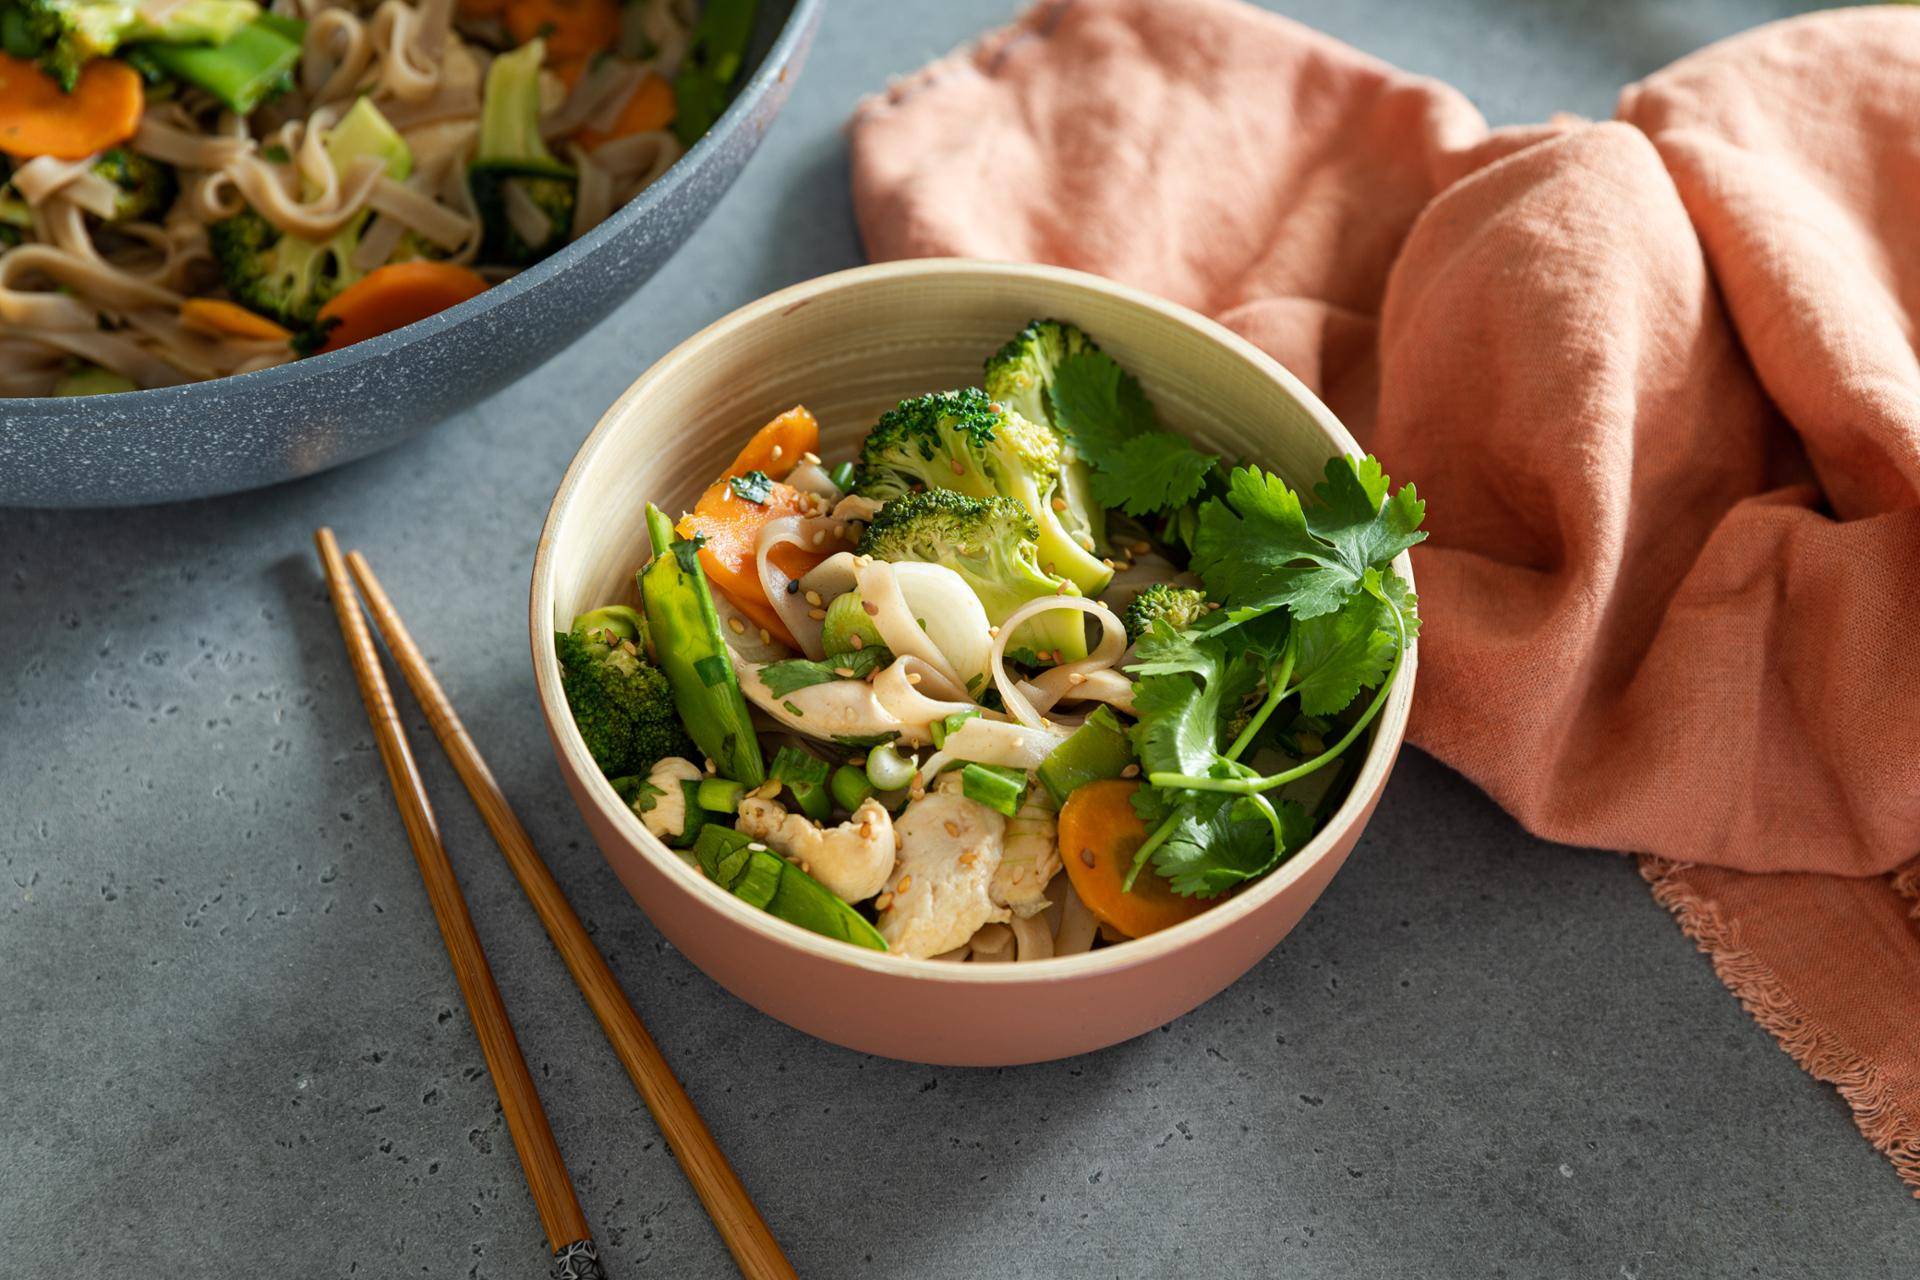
(850, 346)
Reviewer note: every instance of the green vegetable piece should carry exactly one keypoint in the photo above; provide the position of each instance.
(712, 63)
(255, 64)
(687, 641)
(144, 188)
(621, 703)
(887, 769)
(782, 678)
(63, 35)
(847, 618)
(693, 815)
(994, 786)
(752, 486)
(805, 775)
(947, 724)
(841, 473)
(624, 622)
(1020, 375)
(363, 132)
(511, 152)
(1178, 607)
(756, 875)
(1098, 749)
(92, 380)
(719, 795)
(850, 787)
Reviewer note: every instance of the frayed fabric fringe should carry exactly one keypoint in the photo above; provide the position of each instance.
(1819, 1052)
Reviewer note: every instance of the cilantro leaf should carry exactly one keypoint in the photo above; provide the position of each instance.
(1189, 689)
(1099, 405)
(1150, 472)
(1338, 654)
(752, 486)
(782, 678)
(1111, 424)
(1261, 549)
(1221, 840)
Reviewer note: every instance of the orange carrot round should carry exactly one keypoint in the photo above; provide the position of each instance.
(397, 294)
(39, 118)
(1099, 834)
(572, 28)
(776, 447)
(220, 319)
(731, 525)
(649, 108)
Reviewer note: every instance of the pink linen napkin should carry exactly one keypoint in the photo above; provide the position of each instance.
(1655, 378)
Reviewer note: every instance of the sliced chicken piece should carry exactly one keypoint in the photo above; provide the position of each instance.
(853, 859)
(1031, 857)
(939, 894)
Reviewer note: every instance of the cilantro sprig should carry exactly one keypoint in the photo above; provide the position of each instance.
(1313, 612)
(1137, 467)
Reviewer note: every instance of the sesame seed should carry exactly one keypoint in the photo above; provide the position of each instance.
(873, 610)
(900, 889)
(1059, 503)
(857, 641)
(913, 677)
(777, 451)
(1048, 568)
(1076, 677)
(793, 586)
(806, 866)
(1131, 771)
(810, 457)
(1061, 589)
(958, 469)
(993, 632)
(756, 846)
(953, 828)
(882, 902)
(819, 536)
(1086, 857)
(1109, 563)
(736, 626)
(818, 615)
(813, 597)
(968, 858)
(1141, 548)
(844, 673)
(766, 636)
(709, 765)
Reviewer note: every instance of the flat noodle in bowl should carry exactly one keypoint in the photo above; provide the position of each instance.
(364, 155)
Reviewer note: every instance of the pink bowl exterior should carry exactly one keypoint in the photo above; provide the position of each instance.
(925, 1019)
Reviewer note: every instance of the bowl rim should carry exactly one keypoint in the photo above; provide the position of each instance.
(1383, 748)
(772, 67)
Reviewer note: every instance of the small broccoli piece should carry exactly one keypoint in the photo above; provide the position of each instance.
(992, 544)
(64, 35)
(1020, 376)
(621, 703)
(963, 441)
(1178, 607)
(524, 195)
(279, 275)
(145, 186)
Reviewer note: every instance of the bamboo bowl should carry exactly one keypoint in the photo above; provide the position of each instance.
(849, 346)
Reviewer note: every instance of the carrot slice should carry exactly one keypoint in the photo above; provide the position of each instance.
(649, 108)
(1099, 834)
(572, 28)
(731, 525)
(220, 319)
(397, 294)
(776, 447)
(39, 118)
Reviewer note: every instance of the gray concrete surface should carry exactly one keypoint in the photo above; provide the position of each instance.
(232, 1044)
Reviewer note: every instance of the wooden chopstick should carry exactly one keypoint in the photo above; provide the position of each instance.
(546, 1171)
(734, 1215)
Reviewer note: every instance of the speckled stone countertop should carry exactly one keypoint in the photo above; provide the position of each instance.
(232, 1044)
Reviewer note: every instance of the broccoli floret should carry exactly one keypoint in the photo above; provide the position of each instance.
(524, 195)
(962, 440)
(621, 703)
(992, 544)
(145, 186)
(279, 275)
(64, 35)
(1020, 376)
(1178, 607)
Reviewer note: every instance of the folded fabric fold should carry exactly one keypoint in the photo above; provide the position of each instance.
(1655, 377)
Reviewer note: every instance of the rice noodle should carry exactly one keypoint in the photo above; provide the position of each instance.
(899, 628)
(809, 533)
(908, 699)
(1032, 941)
(1077, 925)
(992, 944)
(984, 740)
(1028, 702)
